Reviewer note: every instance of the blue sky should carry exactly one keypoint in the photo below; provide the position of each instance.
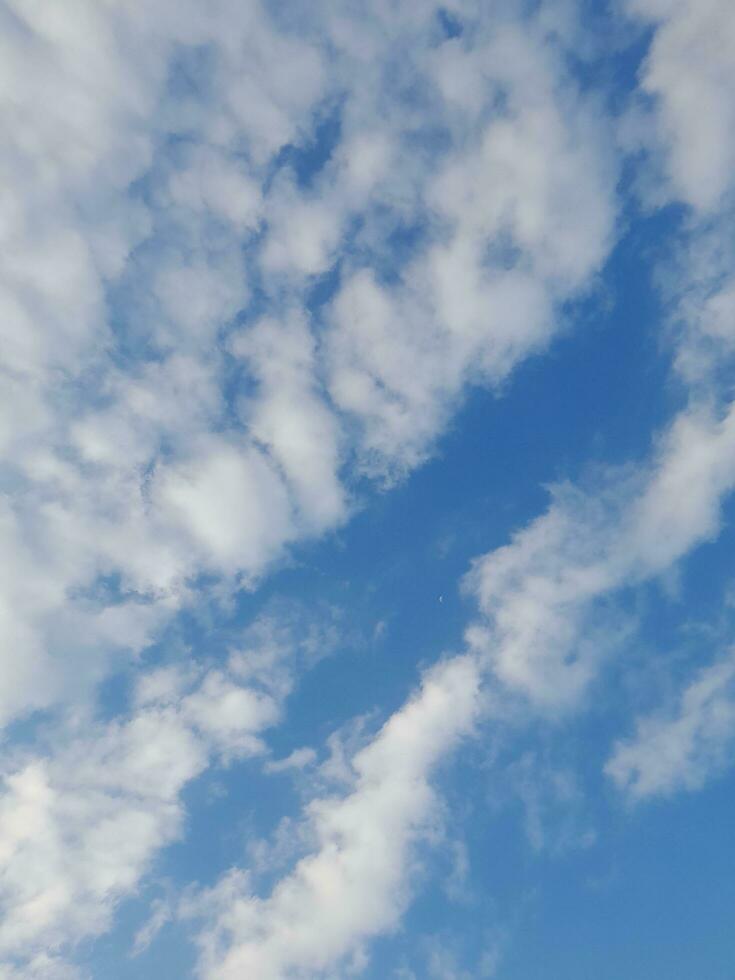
(367, 490)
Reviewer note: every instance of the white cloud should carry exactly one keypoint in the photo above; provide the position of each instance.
(543, 634)
(43, 967)
(213, 184)
(356, 882)
(231, 502)
(289, 416)
(79, 828)
(303, 234)
(145, 201)
(112, 302)
(553, 803)
(81, 823)
(161, 914)
(145, 216)
(690, 72)
(680, 748)
(522, 216)
(298, 759)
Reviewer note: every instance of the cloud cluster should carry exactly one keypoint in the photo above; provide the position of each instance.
(485, 290)
(542, 596)
(355, 883)
(689, 73)
(123, 479)
(180, 408)
(174, 408)
(83, 816)
(255, 253)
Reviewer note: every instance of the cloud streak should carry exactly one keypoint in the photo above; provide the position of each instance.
(356, 882)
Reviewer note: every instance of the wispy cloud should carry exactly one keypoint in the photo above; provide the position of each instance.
(356, 882)
(681, 746)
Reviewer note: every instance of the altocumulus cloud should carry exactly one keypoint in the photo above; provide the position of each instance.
(256, 260)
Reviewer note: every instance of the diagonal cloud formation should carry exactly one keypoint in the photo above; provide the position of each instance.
(187, 409)
(541, 596)
(181, 408)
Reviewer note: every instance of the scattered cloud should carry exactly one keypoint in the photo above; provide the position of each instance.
(255, 258)
(680, 747)
(544, 632)
(356, 881)
(82, 822)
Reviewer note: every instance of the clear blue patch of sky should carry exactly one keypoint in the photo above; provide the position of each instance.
(652, 899)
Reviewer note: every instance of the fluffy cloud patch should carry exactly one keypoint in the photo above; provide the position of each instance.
(540, 594)
(162, 226)
(690, 74)
(681, 747)
(82, 821)
(356, 881)
(254, 254)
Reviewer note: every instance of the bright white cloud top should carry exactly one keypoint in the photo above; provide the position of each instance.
(305, 310)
